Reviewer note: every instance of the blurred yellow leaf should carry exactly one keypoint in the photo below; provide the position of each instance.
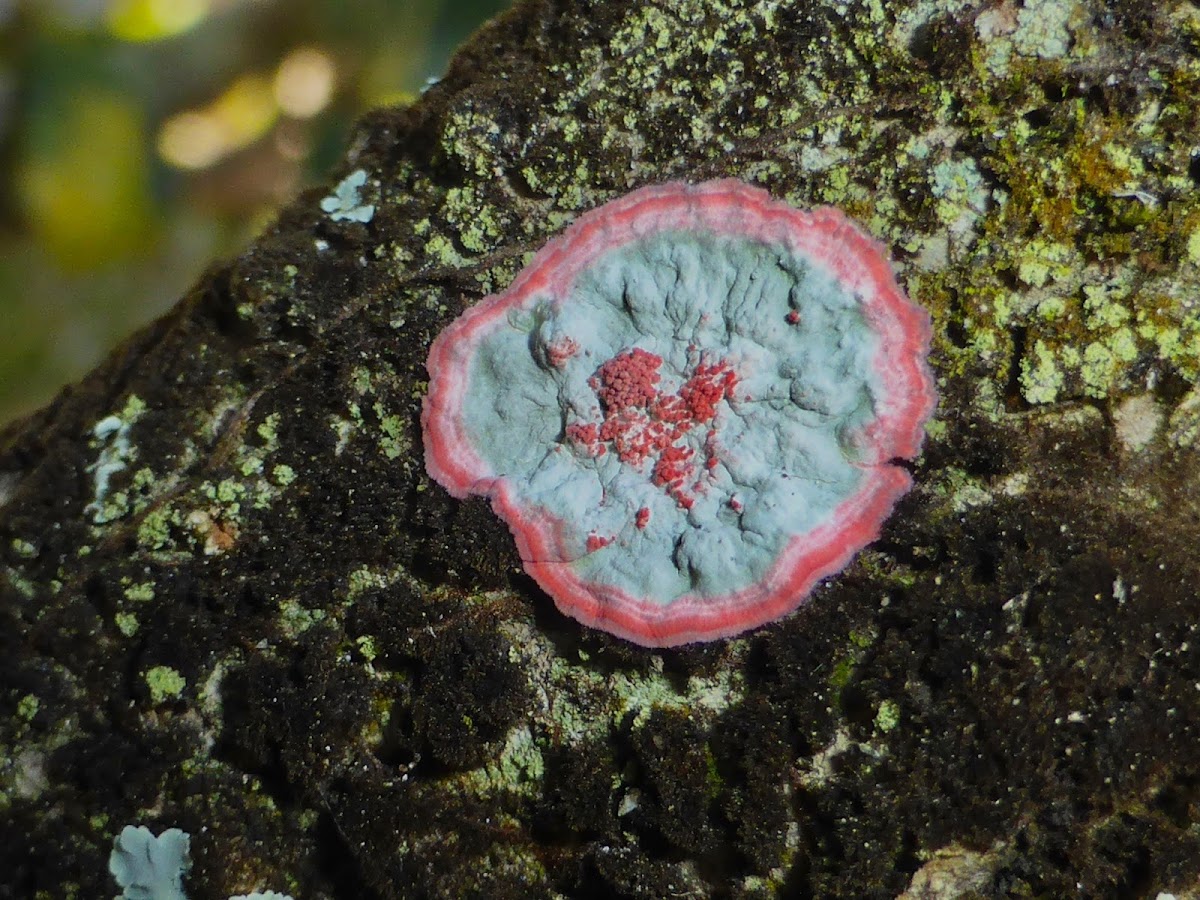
(152, 20)
(84, 186)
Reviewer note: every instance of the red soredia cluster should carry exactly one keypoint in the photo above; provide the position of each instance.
(628, 379)
(640, 422)
(707, 387)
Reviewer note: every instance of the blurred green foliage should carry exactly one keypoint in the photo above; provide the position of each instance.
(140, 139)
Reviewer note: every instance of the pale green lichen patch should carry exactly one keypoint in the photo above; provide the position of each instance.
(154, 531)
(1104, 360)
(207, 520)
(1078, 221)
(962, 194)
(1040, 262)
(887, 717)
(141, 592)
(580, 702)
(24, 549)
(364, 579)
(1183, 427)
(367, 647)
(360, 380)
(639, 696)
(20, 583)
(283, 475)
(295, 618)
(472, 139)
(391, 431)
(27, 707)
(1193, 247)
(251, 457)
(479, 224)
(961, 491)
(1039, 30)
(659, 74)
(210, 517)
(393, 434)
(127, 623)
(1041, 378)
(164, 683)
(441, 250)
(517, 769)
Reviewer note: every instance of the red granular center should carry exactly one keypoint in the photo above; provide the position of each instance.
(641, 423)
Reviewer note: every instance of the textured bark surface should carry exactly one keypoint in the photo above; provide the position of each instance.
(232, 602)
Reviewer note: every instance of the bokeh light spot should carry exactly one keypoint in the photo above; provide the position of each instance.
(199, 138)
(304, 82)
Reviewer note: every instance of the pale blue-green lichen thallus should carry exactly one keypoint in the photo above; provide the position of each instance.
(344, 204)
(803, 355)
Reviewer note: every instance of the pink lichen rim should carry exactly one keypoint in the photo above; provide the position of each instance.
(725, 207)
(807, 559)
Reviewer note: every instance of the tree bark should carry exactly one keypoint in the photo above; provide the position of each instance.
(234, 603)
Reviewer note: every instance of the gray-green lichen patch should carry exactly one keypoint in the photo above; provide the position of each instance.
(954, 871)
(295, 619)
(519, 767)
(580, 704)
(1137, 420)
